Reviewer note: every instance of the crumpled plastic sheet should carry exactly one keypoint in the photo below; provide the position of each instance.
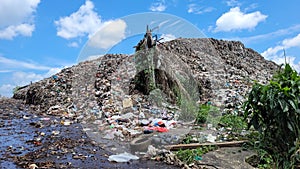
(123, 157)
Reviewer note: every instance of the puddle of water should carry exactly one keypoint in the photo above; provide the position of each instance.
(7, 165)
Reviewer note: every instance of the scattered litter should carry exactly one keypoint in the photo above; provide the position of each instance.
(66, 122)
(55, 132)
(124, 115)
(209, 126)
(127, 103)
(159, 129)
(152, 151)
(33, 166)
(45, 118)
(197, 158)
(123, 157)
(211, 138)
(26, 117)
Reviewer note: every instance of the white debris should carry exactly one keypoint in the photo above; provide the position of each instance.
(123, 157)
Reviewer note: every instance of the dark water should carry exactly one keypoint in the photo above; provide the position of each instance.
(27, 139)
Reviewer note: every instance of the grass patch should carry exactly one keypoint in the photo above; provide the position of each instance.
(190, 155)
(235, 122)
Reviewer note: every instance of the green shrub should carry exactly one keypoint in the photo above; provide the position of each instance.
(208, 114)
(190, 155)
(237, 123)
(202, 114)
(273, 110)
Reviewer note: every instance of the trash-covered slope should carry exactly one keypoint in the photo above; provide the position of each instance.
(225, 71)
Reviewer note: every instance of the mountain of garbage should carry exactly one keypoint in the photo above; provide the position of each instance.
(122, 99)
(224, 71)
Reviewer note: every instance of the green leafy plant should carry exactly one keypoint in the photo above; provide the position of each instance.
(190, 155)
(188, 139)
(202, 114)
(237, 123)
(261, 160)
(265, 159)
(208, 113)
(273, 110)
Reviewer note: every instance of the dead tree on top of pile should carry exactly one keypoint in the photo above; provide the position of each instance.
(148, 41)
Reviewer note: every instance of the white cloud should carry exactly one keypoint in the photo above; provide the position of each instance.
(290, 60)
(285, 44)
(86, 22)
(251, 7)
(16, 18)
(93, 57)
(6, 90)
(52, 71)
(276, 53)
(15, 70)
(6, 63)
(237, 20)
(83, 22)
(233, 3)
(278, 33)
(24, 78)
(196, 9)
(111, 33)
(158, 6)
(21, 78)
(73, 44)
(5, 71)
(167, 37)
(293, 42)
(271, 52)
(13, 31)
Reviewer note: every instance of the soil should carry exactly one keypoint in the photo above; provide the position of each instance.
(28, 139)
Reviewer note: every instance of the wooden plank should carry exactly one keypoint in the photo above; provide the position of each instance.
(195, 145)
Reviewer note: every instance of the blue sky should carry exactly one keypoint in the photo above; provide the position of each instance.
(39, 37)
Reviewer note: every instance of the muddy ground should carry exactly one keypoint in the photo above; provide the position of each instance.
(27, 139)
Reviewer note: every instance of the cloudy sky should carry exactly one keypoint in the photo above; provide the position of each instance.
(39, 37)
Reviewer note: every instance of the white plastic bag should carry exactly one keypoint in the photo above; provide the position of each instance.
(123, 157)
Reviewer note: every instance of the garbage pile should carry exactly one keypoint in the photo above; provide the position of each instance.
(101, 93)
(54, 91)
(226, 70)
(62, 93)
(126, 114)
